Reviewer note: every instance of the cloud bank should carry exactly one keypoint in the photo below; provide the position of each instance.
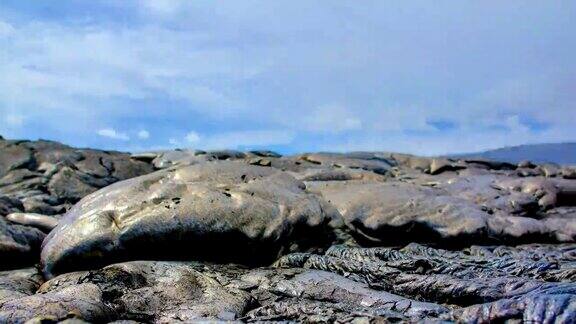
(290, 75)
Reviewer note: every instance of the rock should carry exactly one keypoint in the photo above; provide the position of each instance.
(451, 213)
(9, 205)
(352, 161)
(94, 163)
(47, 177)
(70, 319)
(70, 186)
(400, 212)
(412, 162)
(491, 165)
(549, 192)
(147, 157)
(568, 172)
(147, 291)
(480, 289)
(337, 175)
(18, 244)
(333, 295)
(42, 204)
(533, 308)
(76, 301)
(550, 170)
(167, 159)
(24, 189)
(19, 283)
(43, 222)
(266, 153)
(33, 168)
(485, 241)
(123, 168)
(525, 172)
(526, 164)
(260, 162)
(14, 157)
(16, 176)
(442, 165)
(53, 153)
(228, 211)
(477, 283)
(224, 155)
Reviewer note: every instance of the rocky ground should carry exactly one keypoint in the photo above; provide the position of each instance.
(185, 236)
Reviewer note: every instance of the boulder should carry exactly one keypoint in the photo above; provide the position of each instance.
(331, 224)
(479, 287)
(146, 291)
(226, 211)
(43, 222)
(29, 169)
(9, 205)
(19, 283)
(14, 157)
(438, 166)
(453, 212)
(18, 244)
(349, 161)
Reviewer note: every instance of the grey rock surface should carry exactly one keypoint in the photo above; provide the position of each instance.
(519, 285)
(47, 178)
(43, 222)
(147, 291)
(19, 245)
(222, 210)
(453, 210)
(230, 236)
(19, 283)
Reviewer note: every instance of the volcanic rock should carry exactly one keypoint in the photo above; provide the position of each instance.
(18, 244)
(46, 177)
(221, 210)
(42, 222)
(158, 292)
(480, 289)
(362, 237)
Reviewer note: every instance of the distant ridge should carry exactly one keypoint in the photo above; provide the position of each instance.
(561, 153)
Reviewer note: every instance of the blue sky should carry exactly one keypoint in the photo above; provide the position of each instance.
(426, 77)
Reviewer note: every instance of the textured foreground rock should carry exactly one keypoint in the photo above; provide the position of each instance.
(228, 211)
(533, 283)
(19, 245)
(15, 284)
(47, 178)
(478, 283)
(160, 292)
(455, 210)
(360, 237)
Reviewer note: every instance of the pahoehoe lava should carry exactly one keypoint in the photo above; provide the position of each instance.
(184, 236)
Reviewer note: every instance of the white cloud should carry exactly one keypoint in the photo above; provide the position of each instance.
(192, 137)
(516, 127)
(239, 139)
(14, 120)
(330, 118)
(143, 134)
(5, 29)
(42, 66)
(291, 68)
(250, 138)
(441, 143)
(164, 7)
(112, 133)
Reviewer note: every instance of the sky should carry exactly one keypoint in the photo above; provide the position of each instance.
(422, 77)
